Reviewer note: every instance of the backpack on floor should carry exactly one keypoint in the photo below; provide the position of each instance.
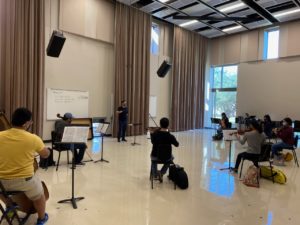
(279, 176)
(288, 157)
(251, 177)
(178, 176)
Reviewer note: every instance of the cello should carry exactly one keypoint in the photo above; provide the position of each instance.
(24, 203)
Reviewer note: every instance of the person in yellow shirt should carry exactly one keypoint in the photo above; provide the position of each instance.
(17, 150)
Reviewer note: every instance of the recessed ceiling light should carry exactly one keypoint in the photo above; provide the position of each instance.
(188, 23)
(232, 28)
(235, 6)
(163, 1)
(287, 13)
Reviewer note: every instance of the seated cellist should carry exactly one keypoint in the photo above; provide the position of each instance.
(17, 150)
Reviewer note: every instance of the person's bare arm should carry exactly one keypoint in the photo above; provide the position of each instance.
(44, 153)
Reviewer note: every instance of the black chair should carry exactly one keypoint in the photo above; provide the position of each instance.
(294, 149)
(164, 156)
(264, 156)
(59, 147)
(10, 214)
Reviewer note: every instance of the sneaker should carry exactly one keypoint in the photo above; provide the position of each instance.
(80, 164)
(43, 221)
(160, 176)
(124, 140)
(235, 170)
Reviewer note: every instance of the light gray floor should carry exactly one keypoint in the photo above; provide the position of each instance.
(119, 192)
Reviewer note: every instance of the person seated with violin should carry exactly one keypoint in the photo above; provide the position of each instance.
(286, 134)
(267, 126)
(17, 150)
(255, 139)
(161, 136)
(59, 129)
(224, 123)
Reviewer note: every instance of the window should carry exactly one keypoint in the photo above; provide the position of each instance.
(155, 39)
(224, 86)
(271, 44)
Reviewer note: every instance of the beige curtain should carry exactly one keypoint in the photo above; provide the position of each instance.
(132, 65)
(22, 57)
(188, 76)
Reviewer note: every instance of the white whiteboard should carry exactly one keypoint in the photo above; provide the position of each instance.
(152, 105)
(62, 101)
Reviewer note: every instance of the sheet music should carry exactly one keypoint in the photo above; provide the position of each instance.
(102, 128)
(228, 135)
(75, 134)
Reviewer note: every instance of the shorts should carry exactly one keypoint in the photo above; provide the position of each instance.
(31, 186)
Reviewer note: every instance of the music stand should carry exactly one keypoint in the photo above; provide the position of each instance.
(102, 129)
(74, 135)
(229, 137)
(133, 125)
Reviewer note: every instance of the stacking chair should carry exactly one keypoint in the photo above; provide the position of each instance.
(164, 156)
(263, 157)
(293, 149)
(59, 147)
(10, 214)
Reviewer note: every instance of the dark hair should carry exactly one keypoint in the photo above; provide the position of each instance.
(256, 125)
(20, 117)
(288, 120)
(123, 101)
(223, 114)
(164, 122)
(268, 118)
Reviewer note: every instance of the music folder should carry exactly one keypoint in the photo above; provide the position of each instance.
(228, 134)
(102, 128)
(75, 134)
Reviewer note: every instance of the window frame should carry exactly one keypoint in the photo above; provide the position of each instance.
(266, 42)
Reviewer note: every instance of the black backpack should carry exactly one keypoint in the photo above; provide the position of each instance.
(178, 176)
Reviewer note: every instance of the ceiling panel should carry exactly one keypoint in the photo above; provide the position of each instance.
(181, 3)
(151, 7)
(164, 13)
(258, 24)
(196, 8)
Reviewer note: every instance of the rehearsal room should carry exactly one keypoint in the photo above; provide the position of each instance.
(149, 112)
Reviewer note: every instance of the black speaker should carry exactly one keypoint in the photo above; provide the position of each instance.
(163, 69)
(56, 43)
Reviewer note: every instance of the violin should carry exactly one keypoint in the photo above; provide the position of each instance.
(24, 203)
(241, 132)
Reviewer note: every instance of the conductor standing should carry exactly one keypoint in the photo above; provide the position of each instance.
(123, 115)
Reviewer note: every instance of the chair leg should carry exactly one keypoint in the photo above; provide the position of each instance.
(271, 167)
(58, 161)
(68, 157)
(151, 177)
(241, 168)
(295, 157)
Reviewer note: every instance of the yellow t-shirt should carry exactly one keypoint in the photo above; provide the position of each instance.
(17, 150)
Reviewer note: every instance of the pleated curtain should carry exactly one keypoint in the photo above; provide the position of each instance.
(188, 80)
(22, 58)
(132, 65)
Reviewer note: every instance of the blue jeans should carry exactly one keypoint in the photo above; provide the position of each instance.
(164, 168)
(122, 129)
(278, 147)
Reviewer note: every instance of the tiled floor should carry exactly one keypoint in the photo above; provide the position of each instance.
(119, 192)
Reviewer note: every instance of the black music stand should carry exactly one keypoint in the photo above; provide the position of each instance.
(72, 133)
(228, 136)
(133, 125)
(102, 128)
(215, 121)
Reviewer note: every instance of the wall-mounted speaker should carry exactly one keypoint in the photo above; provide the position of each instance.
(56, 43)
(164, 69)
